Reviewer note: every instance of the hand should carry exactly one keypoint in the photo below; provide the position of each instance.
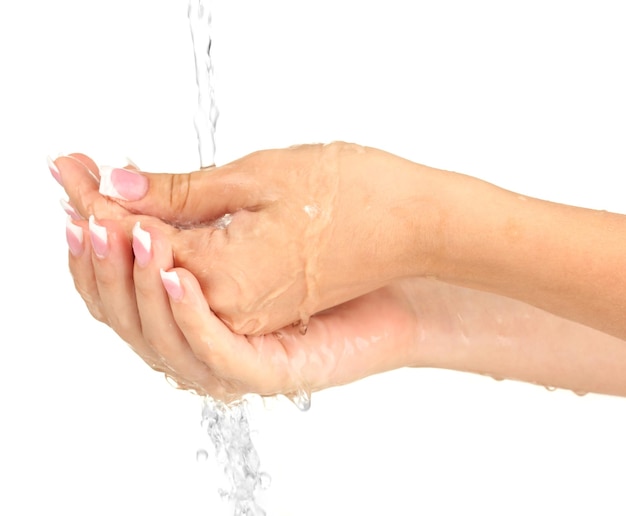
(412, 322)
(310, 227)
(180, 336)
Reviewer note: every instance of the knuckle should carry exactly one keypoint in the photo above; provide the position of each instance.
(179, 190)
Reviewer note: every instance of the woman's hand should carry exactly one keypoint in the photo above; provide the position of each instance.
(278, 235)
(179, 335)
(412, 322)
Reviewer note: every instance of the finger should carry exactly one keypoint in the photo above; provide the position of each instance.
(153, 252)
(89, 163)
(183, 199)
(112, 261)
(229, 356)
(81, 185)
(81, 267)
(94, 168)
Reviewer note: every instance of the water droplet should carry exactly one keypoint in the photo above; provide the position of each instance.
(223, 222)
(550, 388)
(264, 481)
(172, 382)
(312, 210)
(301, 399)
(202, 455)
(303, 323)
(580, 393)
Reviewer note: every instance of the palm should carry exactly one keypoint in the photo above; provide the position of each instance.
(368, 335)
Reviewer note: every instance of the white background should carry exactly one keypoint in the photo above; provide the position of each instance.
(528, 95)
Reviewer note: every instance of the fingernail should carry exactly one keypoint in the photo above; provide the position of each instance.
(99, 239)
(69, 209)
(54, 170)
(122, 184)
(171, 282)
(74, 237)
(142, 245)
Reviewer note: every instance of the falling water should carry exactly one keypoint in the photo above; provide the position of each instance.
(205, 119)
(227, 426)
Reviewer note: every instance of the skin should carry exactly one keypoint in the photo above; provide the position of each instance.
(275, 264)
(368, 274)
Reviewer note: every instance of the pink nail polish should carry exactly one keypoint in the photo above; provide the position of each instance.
(74, 236)
(54, 170)
(142, 245)
(122, 184)
(99, 238)
(171, 282)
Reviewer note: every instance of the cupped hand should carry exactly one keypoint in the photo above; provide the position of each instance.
(174, 330)
(278, 235)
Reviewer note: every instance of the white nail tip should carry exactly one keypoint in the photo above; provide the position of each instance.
(99, 231)
(69, 209)
(142, 236)
(52, 165)
(106, 184)
(77, 231)
(170, 276)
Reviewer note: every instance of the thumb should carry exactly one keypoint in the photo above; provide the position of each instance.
(181, 199)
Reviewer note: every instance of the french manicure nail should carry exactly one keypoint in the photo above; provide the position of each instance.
(69, 209)
(142, 245)
(171, 282)
(54, 170)
(123, 184)
(74, 237)
(99, 238)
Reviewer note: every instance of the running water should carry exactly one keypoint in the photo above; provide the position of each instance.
(199, 14)
(205, 119)
(227, 426)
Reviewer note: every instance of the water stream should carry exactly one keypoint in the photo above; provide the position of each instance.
(199, 13)
(227, 426)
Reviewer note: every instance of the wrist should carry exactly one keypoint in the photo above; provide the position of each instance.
(406, 213)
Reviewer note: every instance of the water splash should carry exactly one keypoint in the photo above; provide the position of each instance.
(205, 119)
(228, 428)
